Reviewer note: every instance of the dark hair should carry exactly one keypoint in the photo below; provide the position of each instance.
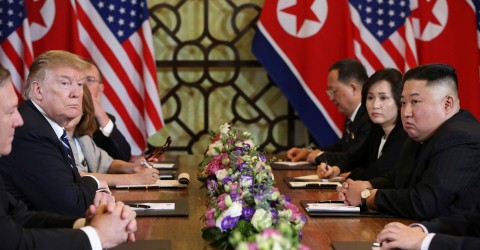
(4, 75)
(435, 73)
(392, 76)
(350, 69)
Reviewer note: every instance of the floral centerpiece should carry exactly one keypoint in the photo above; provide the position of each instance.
(243, 201)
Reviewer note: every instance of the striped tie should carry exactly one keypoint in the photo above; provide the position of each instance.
(68, 150)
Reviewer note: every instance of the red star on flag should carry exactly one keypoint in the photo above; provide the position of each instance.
(35, 16)
(303, 11)
(424, 13)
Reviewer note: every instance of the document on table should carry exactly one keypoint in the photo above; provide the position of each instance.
(314, 177)
(331, 207)
(182, 182)
(293, 163)
(153, 206)
(163, 165)
(320, 184)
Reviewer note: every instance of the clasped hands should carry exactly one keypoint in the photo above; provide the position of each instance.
(350, 191)
(113, 221)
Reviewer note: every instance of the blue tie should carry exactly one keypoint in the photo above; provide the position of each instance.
(68, 150)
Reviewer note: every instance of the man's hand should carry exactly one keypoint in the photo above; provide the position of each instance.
(102, 198)
(323, 173)
(114, 224)
(395, 235)
(297, 154)
(312, 156)
(350, 191)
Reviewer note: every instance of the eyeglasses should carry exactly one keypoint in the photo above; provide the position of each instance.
(160, 150)
(92, 80)
(331, 93)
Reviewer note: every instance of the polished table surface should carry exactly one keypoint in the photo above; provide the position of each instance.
(185, 232)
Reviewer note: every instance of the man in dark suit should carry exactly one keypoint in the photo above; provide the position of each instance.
(107, 136)
(439, 166)
(108, 225)
(345, 81)
(460, 231)
(41, 170)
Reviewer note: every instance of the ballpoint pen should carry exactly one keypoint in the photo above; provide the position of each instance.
(138, 205)
(326, 161)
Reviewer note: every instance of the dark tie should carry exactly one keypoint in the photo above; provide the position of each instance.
(68, 150)
(348, 130)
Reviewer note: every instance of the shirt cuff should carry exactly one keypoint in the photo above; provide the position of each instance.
(426, 241)
(79, 223)
(420, 226)
(107, 130)
(92, 237)
(95, 178)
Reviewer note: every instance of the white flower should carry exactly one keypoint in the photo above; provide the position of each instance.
(250, 142)
(261, 219)
(220, 174)
(235, 210)
(215, 148)
(224, 128)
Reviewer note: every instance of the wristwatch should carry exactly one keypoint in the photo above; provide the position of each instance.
(365, 194)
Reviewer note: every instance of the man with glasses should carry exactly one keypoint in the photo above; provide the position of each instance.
(40, 170)
(345, 81)
(107, 136)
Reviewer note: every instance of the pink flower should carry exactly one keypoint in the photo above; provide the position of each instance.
(215, 164)
(210, 217)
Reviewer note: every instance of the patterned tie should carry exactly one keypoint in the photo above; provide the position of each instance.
(348, 130)
(68, 150)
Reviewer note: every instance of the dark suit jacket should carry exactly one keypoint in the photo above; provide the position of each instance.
(437, 177)
(22, 229)
(360, 128)
(364, 163)
(37, 171)
(115, 145)
(461, 231)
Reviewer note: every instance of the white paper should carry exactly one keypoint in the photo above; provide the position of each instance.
(314, 177)
(331, 207)
(155, 206)
(164, 165)
(305, 183)
(293, 163)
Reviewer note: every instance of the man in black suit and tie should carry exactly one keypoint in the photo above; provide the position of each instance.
(107, 136)
(439, 167)
(108, 225)
(460, 231)
(345, 81)
(41, 170)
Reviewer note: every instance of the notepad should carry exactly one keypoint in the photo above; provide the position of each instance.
(155, 206)
(314, 177)
(331, 207)
(298, 184)
(182, 182)
(164, 165)
(293, 163)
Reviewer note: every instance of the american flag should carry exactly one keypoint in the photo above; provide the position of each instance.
(115, 34)
(15, 44)
(383, 35)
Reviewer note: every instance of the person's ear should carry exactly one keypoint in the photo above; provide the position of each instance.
(449, 104)
(356, 88)
(37, 91)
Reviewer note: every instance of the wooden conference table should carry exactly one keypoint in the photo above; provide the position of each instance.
(185, 232)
